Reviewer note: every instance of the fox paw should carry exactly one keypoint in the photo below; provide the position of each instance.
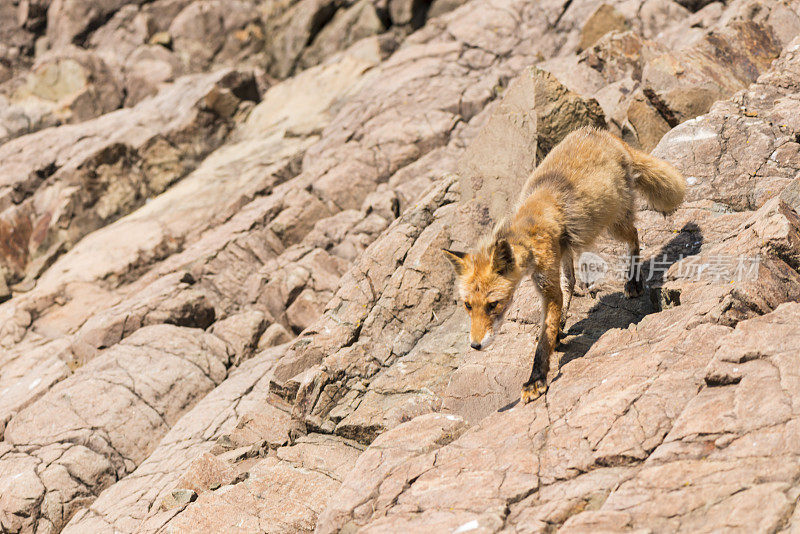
(633, 289)
(533, 389)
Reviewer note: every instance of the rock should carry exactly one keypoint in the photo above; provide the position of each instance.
(432, 484)
(618, 55)
(305, 309)
(694, 27)
(5, 293)
(325, 454)
(132, 159)
(162, 39)
(411, 12)
(304, 104)
(128, 503)
(645, 124)
(324, 209)
(764, 139)
(241, 332)
(267, 424)
(273, 489)
(689, 82)
(275, 334)
(486, 173)
(559, 111)
(409, 440)
(18, 39)
(675, 84)
(167, 301)
(345, 28)
(289, 33)
(291, 487)
(656, 18)
(536, 112)
(605, 19)
(209, 31)
(178, 498)
(76, 83)
(440, 7)
(146, 69)
(125, 31)
(139, 378)
(72, 21)
(24, 116)
(353, 307)
(206, 473)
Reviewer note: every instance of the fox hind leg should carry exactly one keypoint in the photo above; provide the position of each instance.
(568, 270)
(624, 230)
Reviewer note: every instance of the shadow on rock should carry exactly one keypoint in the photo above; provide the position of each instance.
(614, 310)
(686, 243)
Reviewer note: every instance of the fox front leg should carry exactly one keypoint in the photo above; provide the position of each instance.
(536, 386)
(568, 268)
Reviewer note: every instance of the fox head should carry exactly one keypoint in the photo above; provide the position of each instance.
(487, 280)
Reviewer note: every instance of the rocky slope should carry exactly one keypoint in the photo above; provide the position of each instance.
(225, 308)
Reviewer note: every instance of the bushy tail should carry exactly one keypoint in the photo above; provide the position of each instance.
(660, 183)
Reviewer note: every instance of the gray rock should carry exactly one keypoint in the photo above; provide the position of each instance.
(178, 498)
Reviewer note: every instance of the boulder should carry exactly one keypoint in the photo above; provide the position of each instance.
(20, 117)
(212, 31)
(73, 21)
(290, 32)
(408, 12)
(77, 84)
(345, 28)
(275, 334)
(645, 125)
(535, 113)
(206, 473)
(690, 81)
(126, 30)
(605, 19)
(146, 70)
(756, 124)
(241, 332)
(178, 498)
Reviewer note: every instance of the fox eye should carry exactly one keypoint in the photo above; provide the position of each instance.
(490, 307)
(468, 306)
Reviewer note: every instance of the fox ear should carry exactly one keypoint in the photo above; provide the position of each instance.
(457, 259)
(502, 257)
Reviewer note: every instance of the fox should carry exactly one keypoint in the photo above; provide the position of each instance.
(583, 187)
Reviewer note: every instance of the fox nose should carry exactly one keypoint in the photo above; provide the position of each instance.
(475, 345)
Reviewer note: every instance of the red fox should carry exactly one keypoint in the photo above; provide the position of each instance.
(582, 187)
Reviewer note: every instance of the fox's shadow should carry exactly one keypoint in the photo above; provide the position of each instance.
(614, 310)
